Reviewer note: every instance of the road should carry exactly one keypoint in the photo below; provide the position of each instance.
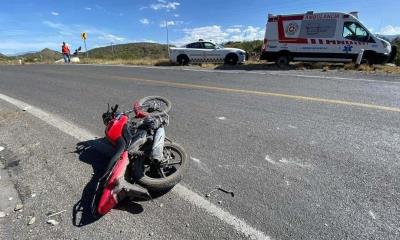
(309, 154)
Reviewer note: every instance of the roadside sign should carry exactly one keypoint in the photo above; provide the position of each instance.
(83, 36)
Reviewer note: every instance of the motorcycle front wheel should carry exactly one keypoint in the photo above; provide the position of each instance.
(161, 177)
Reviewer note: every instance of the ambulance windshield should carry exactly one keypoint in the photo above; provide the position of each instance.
(355, 31)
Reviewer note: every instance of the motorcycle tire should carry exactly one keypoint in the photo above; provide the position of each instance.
(160, 184)
(164, 101)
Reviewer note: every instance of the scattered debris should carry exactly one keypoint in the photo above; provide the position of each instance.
(226, 191)
(161, 205)
(195, 159)
(268, 159)
(372, 215)
(2, 214)
(18, 207)
(187, 225)
(220, 189)
(52, 222)
(33, 195)
(151, 234)
(219, 202)
(49, 215)
(326, 224)
(31, 220)
(26, 108)
(10, 199)
(19, 217)
(221, 118)
(1, 148)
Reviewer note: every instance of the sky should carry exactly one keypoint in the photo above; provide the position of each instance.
(27, 25)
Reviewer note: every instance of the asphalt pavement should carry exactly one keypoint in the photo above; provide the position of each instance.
(309, 154)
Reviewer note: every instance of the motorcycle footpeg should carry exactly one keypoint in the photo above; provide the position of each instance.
(134, 190)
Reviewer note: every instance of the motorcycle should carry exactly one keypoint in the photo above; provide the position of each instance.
(145, 161)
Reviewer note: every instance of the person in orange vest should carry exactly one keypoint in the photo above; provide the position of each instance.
(65, 52)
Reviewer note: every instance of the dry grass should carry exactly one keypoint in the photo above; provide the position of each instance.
(248, 66)
(373, 68)
(144, 61)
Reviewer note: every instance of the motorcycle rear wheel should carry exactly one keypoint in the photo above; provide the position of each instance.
(158, 178)
(163, 105)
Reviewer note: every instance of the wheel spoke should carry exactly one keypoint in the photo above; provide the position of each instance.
(173, 163)
(162, 172)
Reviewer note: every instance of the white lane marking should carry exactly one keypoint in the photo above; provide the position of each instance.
(242, 71)
(183, 192)
(372, 215)
(53, 120)
(221, 118)
(223, 215)
(1, 148)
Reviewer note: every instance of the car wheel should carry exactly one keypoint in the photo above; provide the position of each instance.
(182, 60)
(231, 59)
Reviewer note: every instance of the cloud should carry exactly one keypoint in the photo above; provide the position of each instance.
(54, 13)
(111, 38)
(233, 30)
(170, 23)
(218, 34)
(95, 35)
(390, 30)
(176, 15)
(88, 8)
(163, 4)
(145, 21)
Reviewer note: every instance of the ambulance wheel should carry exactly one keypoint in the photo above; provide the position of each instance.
(283, 61)
(231, 59)
(368, 59)
(182, 60)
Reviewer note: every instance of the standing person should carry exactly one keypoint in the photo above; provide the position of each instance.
(65, 52)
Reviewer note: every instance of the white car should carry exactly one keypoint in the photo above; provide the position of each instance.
(207, 52)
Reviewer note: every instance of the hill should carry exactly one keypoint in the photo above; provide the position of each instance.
(131, 51)
(46, 55)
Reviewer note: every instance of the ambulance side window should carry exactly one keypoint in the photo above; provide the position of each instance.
(354, 31)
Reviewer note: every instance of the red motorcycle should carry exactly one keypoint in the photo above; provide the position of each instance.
(145, 160)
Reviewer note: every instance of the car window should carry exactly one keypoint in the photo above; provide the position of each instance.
(354, 31)
(194, 45)
(208, 45)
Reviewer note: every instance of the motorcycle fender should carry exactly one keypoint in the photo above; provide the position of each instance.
(109, 198)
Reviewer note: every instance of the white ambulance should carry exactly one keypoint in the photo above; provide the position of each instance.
(322, 37)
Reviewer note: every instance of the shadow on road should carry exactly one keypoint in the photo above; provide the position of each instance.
(96, 153)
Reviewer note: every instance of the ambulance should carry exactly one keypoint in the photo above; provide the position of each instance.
(323, 37)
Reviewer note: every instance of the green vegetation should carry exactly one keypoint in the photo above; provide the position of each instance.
(396, 42)
(130, 51)
(252, 47)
